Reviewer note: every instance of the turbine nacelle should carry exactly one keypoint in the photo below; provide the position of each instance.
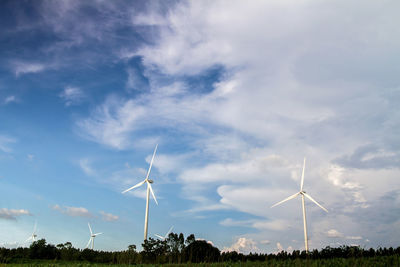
(150, 181)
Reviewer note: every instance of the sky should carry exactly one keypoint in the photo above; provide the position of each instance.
(235, 93)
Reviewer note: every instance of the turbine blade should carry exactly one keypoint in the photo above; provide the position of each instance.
(169, 231)
(302, 175)
(152, 193)
(286, 199)
(97, 234)
(151, 162)
(90, 239)
(28, 239)
(313, 200)
(90, 228)
(160, 237)
(137, 185)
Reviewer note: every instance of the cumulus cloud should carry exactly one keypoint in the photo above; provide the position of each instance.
(243, 245)
(12, 214)
(73, 211)
(72, 95)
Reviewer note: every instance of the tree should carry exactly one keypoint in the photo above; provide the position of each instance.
(201, 251)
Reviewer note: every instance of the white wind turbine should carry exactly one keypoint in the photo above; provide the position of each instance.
(92, 236)
(162, 238)
(303, 194)
(149, 189)
(34, 235)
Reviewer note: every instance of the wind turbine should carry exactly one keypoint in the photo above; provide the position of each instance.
(34, 235)
(162, 238)
(92, 236)
(303, 194)
(149, 189)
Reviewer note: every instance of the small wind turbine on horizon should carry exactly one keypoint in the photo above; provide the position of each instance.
(149, 189)
(303, 194)
(92, 236)
(34, 235)
(162, 238)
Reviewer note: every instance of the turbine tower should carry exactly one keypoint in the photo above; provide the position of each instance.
(303, 194)
(149, 189)
(162, 238)
(92, 236)
(34, 235)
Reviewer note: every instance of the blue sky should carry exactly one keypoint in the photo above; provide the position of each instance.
(235, 93)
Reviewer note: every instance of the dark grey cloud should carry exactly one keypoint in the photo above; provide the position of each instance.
(370, 157)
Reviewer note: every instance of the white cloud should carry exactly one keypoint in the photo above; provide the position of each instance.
(243, 245)
(73, 211)
(72, 95)
(85, 165)
(12, 214)
(334, 233)
(108, 216)
(279, 247)
(5, 141)
(21, 67)
(10, 99)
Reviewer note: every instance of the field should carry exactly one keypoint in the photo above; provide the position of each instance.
(388, 261)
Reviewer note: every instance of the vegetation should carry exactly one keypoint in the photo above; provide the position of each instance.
(176, 250)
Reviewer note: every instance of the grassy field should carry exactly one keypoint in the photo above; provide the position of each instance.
(388, 261)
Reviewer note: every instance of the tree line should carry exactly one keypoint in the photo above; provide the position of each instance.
(175, 249)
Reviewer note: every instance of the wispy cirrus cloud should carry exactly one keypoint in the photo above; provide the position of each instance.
(5, 141)
(108, 216)
(12, 214)
(21, 67)
(10, 99)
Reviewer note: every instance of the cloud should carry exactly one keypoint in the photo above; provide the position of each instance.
(84, 163)
(10, 99)
(21, 67)
(354, 237)
(73, 211)
(307, 84)
(4, 143)
(136, 80)
(111, 123)
(12, 214)
(333, 233)
(109, 217)
(370, 156)
(243, 245)
(72, 95)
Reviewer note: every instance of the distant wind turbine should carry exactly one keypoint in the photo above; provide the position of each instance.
(34, 235)
(303, 194)
(166, 235)
(149, 189)
(92, 236)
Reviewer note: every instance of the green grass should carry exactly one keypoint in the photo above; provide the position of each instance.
(388, 261)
